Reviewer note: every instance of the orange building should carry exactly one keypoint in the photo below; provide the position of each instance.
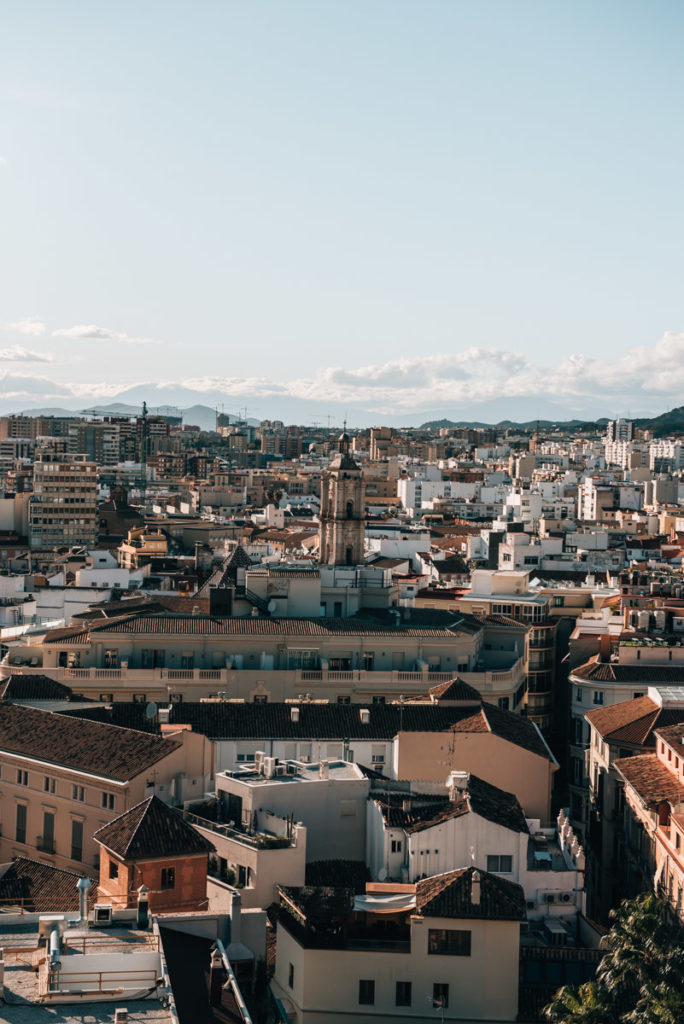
(152, 845)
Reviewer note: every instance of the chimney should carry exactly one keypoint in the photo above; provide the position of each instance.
(294, 714)
(604, 647)
(83, 886)
(475, 889)
(215, 978)
(364, 715)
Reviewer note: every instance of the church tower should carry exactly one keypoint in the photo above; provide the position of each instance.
(343, 513)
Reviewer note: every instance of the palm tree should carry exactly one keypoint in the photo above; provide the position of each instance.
(588, 1004)
(643, 948)
(640, 979)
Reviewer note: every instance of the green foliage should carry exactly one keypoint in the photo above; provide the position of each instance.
(640, 979)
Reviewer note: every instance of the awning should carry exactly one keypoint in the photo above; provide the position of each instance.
(381, 903)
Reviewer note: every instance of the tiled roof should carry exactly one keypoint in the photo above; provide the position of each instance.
(151, 829)
(128, 714)
(203, 625)
(650, 778)
(629, 721)
(450, 895)
(480, 797)
(38, 687)
(43, 888)
(612, 672)
(227, 720)
(455, 689)
(672, 734)
(104, 750)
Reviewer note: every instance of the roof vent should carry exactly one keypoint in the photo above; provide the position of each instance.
(294, 714)
(475, 889)
(364, 715)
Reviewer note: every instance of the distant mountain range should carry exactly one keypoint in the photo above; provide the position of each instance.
(503, 413)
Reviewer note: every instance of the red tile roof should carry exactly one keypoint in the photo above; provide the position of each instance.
(650, 779)
(151, 829)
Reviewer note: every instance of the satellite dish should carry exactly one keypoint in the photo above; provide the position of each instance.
(271, 606)
(151, 710)
(382, 875)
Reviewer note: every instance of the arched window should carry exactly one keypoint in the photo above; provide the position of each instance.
(350, 509)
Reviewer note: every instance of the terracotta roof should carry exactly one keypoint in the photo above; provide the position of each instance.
(227, 720)
(650, 779)
(480, 797)
(22, 688)
(455, 690)
(104, 750)
(629, 721)
(612, 672)
(450, 895)
(43, 888)
(672, 734)
(203, 625)
(151, 829)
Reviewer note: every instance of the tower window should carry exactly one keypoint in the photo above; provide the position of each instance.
(349, 556)
(350, 510)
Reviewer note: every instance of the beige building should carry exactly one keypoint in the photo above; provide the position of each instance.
(63, 508)
(448, 944)
(343, 512)
(64, 777)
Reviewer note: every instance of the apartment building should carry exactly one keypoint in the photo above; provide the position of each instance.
(63, 507)
(447, 944)
(654, 818)
(65, 777)
(618, 731)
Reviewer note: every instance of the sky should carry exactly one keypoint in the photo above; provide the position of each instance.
(389, 210)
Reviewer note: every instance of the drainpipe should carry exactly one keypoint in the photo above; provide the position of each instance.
(83, 886)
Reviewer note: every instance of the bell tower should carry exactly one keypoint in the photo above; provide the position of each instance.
(343, 513)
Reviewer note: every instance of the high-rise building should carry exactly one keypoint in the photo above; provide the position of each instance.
(63, 509)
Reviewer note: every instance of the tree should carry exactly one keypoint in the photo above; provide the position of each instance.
(640, 979)
(588, 1004)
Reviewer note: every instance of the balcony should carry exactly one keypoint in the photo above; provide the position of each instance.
(239, 682)
(254, 840)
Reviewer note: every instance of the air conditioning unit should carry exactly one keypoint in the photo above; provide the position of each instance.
(566, 897)
(269, 766)
(259, 759)
(281, 770)
(102, 915)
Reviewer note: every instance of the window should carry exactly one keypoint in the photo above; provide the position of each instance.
(21, 823)
(440, 995)
(379, 698)
(113, 869)
(403, 994)
(578, 695)
(290, 976)
(78, 793)
(49, 784)
(46, 842)
(366, 992)
(168, 878)
(77, 840)
(139, 698)
(22, 777)
(396, 846)
(598, 696)
(501, 863)
(504, 703)
(448, 942)
(343, 699)
(260, 698)
(108, 801)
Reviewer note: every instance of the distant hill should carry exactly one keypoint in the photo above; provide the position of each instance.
(671, 422)
(511, 425)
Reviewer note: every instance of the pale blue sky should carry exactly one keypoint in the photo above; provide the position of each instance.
(282, 194)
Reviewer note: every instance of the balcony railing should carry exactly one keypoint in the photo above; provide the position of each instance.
(256, 841)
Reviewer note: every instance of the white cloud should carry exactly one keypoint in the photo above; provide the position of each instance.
(31, 325)
(84, 332)
(18, 354)
(646, 377)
